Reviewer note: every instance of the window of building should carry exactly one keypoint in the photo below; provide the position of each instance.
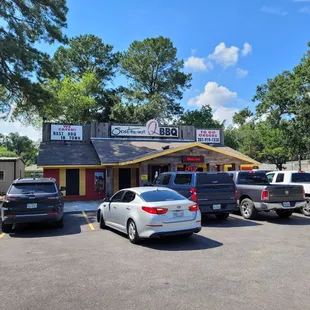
(280, 177)
(1, 175)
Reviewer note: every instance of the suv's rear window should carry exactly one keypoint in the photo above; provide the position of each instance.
(29, 188)
(161, 195)
(213, 178)
(183, 179)
(256, 178)
(300, 177)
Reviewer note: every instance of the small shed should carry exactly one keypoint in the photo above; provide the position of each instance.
(11, 168)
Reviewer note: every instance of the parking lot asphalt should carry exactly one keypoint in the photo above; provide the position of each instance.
(234, 264)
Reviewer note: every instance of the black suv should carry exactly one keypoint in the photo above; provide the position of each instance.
(215, 192)
(30, 201)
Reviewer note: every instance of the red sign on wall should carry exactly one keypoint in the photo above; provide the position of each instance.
(191, 168)
(193, 159)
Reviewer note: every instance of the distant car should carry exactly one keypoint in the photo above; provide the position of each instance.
(215, 192)
(30, 201)
(150, 212)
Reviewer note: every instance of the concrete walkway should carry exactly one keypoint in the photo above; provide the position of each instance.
(79, 206)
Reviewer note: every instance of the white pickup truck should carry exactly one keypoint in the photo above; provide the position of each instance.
(293, 178)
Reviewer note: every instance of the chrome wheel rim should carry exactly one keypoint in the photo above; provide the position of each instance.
(307, 208)
(246, 209)
(132, 231)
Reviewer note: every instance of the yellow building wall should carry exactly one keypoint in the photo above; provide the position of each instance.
(82, 182)
(62, 179)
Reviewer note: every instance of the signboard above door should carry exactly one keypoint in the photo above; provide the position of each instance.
(67, 132)
(208, 136)
(151, 129)
(193, 159)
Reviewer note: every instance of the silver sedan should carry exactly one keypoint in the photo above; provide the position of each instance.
(150, 212)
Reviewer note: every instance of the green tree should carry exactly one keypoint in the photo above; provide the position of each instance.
(21, 146)
(75, 101)
(242, 117)
(4, 152)
(22, 64)
(202, 118)
(155, 77)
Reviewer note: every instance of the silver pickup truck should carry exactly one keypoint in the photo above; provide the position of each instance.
(256, 194)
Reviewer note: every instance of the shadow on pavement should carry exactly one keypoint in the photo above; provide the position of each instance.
(72, 225)
(232, 221)
(294, 220)
(194, 243)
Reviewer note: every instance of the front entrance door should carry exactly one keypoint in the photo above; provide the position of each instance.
(124, 178)
(72, 182)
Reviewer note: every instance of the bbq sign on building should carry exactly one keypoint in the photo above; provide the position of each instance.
(67, 132)
(151, 129)
(208, 136)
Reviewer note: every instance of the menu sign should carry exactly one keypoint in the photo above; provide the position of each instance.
(208, 136)
(67, 132)
(193, 159)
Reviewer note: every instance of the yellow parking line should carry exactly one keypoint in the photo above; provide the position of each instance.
(2, 235)
(88, 221)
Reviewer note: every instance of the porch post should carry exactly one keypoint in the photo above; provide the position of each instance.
(143, 171)
(109, 182)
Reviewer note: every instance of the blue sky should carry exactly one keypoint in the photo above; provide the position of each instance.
(213, 34)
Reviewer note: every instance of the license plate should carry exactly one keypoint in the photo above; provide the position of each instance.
(178, 213)
(32, 205)
(216, 207)
(286, 204)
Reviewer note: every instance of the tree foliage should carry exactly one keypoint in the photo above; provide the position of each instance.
(202, 118)
(155, 76)
(19, 145)
(22, 64)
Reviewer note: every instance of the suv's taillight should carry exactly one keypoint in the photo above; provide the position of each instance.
(265, 194)
(154, 210)
(8, 199)
(193, 194)
(193, 208)
(236, 196)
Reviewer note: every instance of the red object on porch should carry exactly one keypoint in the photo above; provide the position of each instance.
(91, 193)
(52, 173)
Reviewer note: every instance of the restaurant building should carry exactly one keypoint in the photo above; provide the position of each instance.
(95, 160)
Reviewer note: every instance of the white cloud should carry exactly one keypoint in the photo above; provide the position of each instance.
(305, 10)
(29, 131)
(213, 95)
(241, 73)
(225, 56)
(196, 64)
(277, 11)
(247, 49)
(225, 114)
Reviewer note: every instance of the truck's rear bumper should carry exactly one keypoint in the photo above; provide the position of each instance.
(213, 208)
(263, 206)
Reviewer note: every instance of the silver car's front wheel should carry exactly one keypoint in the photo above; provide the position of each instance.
(132, 232)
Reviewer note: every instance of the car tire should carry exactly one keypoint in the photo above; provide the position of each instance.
(187, 235)
(222, 216)
(248, 210)
(7, 228)
(132, 232)
(306, 210)
(102, 222)
(60, 223)
(284, 213)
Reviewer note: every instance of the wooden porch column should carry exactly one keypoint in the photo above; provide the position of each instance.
(237, 166)
(142, 172)
(173, 167)
(109, 182)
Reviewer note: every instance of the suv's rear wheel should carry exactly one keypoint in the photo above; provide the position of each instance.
(222, 216)
(247, 209)
(306, 210)
(7, 228)
(284, 213)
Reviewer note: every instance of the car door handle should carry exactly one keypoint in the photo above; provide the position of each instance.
(128, 208)
(114, 207)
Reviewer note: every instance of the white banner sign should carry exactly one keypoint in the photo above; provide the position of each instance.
(66, 132)
(152, 129)
(208, 136)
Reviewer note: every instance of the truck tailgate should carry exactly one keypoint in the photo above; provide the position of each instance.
(215, 193)
(285, 193)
